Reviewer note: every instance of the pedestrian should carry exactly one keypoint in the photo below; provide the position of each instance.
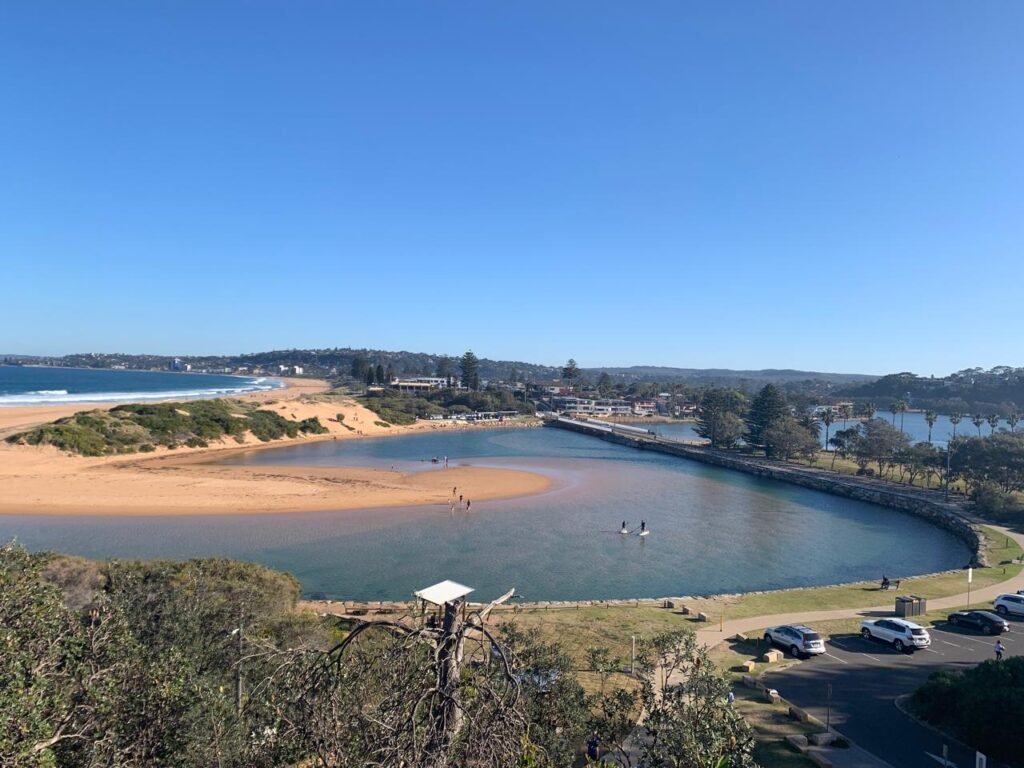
(730, 698)
(460, 498)
(453, 490)
(468, 503)
(593, 747)
(999, 650)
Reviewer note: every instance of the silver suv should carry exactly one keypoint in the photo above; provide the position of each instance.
(1010, 605)
(904, 635)
(795, 638)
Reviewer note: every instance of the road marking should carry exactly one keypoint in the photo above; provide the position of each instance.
(941, 760)
(841, 661)
(931, 650)
(859, 653)
(988, 643)
(946, 643)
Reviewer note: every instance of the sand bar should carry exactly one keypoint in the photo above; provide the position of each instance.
(45, 481)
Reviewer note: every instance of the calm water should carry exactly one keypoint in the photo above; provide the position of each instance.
(27, 385)
(712, 531)
(913, 424)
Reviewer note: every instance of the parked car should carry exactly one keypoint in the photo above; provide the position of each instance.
(1010, 605)
(986, 621)
(904, 635)
(795, 638)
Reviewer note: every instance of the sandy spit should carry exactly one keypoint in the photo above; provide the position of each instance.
(45, 481)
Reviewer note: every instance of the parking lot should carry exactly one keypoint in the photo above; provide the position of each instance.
(867, 676)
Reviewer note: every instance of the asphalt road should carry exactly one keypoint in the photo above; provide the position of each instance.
(866, 678)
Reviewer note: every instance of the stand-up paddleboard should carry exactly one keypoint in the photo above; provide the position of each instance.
(643, 533)
(624, 531)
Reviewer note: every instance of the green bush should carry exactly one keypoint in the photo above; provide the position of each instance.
(983, 706)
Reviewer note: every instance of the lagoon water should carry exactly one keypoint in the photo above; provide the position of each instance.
(713, 531)
(38, 385)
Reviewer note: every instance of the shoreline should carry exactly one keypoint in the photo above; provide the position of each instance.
(43, 481)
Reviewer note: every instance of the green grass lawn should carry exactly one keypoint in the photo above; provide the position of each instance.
(613, 627)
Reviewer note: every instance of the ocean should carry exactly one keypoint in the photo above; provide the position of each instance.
(31, 385)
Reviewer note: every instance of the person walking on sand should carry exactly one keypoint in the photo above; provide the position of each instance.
(999, 650)
(468, 504)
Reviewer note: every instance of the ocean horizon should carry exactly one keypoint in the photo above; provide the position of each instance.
(22, 386)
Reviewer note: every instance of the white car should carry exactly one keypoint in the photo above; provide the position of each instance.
(1010, 605)
(903, 635)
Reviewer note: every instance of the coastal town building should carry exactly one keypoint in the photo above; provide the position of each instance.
(423, 384)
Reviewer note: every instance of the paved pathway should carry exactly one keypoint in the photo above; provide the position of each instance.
(712, 636)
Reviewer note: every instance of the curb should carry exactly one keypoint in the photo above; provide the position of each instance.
(900, 703)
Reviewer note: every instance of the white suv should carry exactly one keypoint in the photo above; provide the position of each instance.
(904, 635)
(1007, 605)
(796, 638)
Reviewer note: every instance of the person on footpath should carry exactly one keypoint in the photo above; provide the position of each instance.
(1000, 648)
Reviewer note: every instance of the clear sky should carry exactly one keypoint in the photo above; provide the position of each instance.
(819, 185)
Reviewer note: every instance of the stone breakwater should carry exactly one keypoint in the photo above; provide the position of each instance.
(925, 504)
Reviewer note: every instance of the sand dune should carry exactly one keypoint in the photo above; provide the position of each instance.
(45, 481)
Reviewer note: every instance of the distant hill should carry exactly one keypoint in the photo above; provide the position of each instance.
(722, 376)
(972, 390)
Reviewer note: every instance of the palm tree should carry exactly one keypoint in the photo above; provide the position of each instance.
(845, 411)
(869, 409)
(954, 419)
(828, 419)
(901, 406)
(977, 420)
(931, 417)
(993, 422)
(894, 408)
(1013, 419)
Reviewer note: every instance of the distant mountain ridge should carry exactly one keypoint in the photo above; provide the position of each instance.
(404, 363)
(661, 373)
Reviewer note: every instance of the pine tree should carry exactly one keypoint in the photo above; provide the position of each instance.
(470, 370)
(767, 407)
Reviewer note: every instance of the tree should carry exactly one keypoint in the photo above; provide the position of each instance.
(954, 419)
(787, 437)
(993, 423)
(931, 417)
(470, 371)
(902, 407)
(767, 407)
(444, 367)
(689, 719)
(371, 376)
(359, 366)
(604, 384)
(844, 442)
(846, 413)
(570, 373)
(828, 417)
(977, 420)
(1013, 420)
(880, 442)
(718, 417)
(867, 409)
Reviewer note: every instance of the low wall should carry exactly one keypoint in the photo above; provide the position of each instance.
(928, 505)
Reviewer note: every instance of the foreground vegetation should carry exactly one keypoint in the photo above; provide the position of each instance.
(207, 663)
(143, 427)
(983, 706)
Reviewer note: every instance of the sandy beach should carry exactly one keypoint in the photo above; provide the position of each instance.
(46, 481)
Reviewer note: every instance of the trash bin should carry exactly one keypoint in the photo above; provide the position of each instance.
(920, 605)
(904, 606)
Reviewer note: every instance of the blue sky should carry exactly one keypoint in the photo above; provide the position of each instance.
(828, 186)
